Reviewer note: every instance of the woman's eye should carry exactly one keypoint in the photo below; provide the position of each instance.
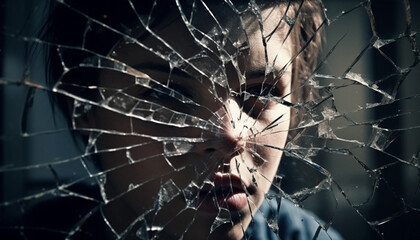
(257, 99)
(163, 94)
(263, 90)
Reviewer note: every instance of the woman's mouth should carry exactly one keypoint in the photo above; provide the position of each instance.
(227, 192)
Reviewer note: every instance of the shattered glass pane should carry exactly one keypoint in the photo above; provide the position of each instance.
(196, 119)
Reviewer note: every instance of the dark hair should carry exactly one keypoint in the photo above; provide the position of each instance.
(79, 29)
(307, 36)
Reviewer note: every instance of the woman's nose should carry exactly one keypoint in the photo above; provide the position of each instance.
(231, 141)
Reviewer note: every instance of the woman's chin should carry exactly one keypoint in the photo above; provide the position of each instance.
(196, 223)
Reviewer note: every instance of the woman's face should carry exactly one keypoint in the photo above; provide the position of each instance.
(210, 148)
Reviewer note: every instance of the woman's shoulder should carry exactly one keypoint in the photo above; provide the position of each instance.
(283, 220)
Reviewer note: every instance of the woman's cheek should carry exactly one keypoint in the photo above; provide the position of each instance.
(270, 142)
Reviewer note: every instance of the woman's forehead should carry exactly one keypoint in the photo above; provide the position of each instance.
(209, 42)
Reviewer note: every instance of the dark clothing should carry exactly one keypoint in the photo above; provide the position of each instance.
(293, 224)
(81, 218)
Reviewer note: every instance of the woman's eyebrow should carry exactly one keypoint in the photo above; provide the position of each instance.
(258, 73)
(255, 73)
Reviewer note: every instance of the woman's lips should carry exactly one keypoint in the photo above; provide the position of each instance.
(228, 192)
